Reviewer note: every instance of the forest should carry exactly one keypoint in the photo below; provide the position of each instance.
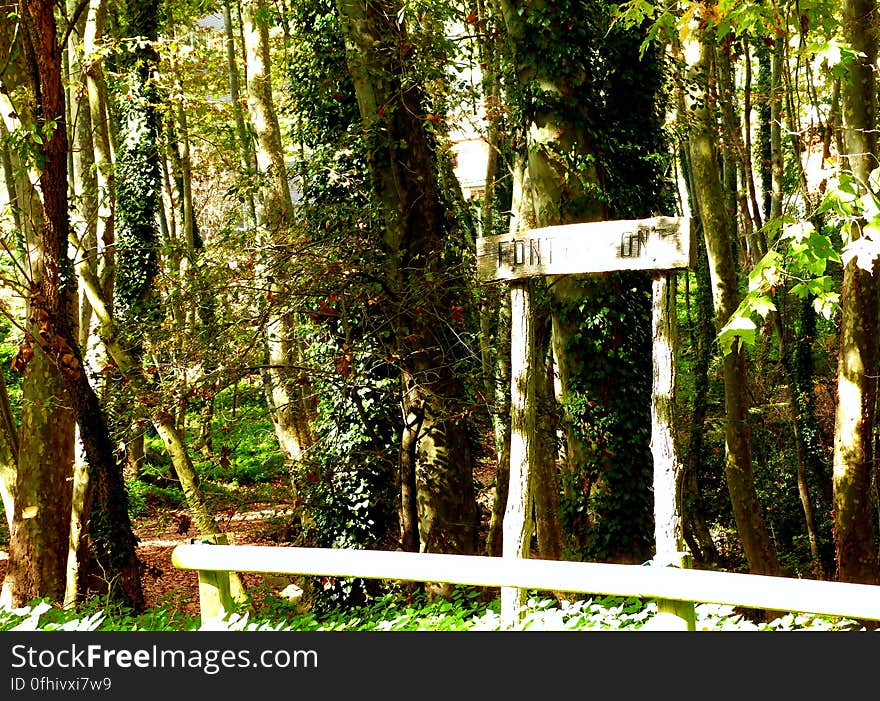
(238, 275)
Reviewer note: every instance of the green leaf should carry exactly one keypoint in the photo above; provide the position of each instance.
(863, 251)
(762, 305)
(821, 285)
(826, 304)
(801, 290)
(798, 230)
(766, 272)
(739, 329)
(823, 248)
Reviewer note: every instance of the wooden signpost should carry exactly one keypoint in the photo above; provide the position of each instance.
(659, 245)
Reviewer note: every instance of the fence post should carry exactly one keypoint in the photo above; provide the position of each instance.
(215, 597)
(674, 614)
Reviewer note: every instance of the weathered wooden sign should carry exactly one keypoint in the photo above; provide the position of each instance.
(659, 243)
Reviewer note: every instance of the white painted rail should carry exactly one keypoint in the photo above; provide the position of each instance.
(857, 601)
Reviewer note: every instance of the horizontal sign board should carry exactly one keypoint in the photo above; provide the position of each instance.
(659, 243)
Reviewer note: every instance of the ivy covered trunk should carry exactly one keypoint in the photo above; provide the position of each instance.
(421, 276)
(137, 176)
(593, 134)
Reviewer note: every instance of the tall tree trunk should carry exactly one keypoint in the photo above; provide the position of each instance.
(52, 302)
(495, 537)
(284, 384)
(9, 441)
(796, 347)
(41, 516)
(776, 155)
(552, 181)
(84, 194)
(245, 144)
(717, 231)
(406, 185)
(854, 529)
(137, 179)
(103, 168)
(694, 528)
(798, 358)
(9, 434)
(545, 478)
(494, 308)
(575, 176)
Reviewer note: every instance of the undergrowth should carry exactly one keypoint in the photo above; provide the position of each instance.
(464, 611)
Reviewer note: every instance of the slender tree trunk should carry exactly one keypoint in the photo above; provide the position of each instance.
(84, 194)
(102, 162)
(8, 168)
(717, 232)
(694, 528)
(796, 348)
(284, 384)
(245, 144)
(776, 100)
(494, 540)
(545, 478)
(9, 441)
(9, 433)
(494, 308)
(854, 528)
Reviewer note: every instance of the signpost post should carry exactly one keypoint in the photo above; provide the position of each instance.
(659, 245)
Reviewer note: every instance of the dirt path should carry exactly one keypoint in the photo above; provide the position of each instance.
(164, 584)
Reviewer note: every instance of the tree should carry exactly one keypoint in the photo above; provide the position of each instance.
(706, 184)
(593, 141)
(422, 272)
(854, 530)
(285, 387)
(52, 304)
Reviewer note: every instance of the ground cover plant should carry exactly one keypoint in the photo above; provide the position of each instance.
(464, 611)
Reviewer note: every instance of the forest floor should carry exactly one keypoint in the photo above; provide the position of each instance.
(158, 535)
(166, 585)
(249, 516)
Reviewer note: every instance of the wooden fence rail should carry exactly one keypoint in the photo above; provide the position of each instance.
(213, 562)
